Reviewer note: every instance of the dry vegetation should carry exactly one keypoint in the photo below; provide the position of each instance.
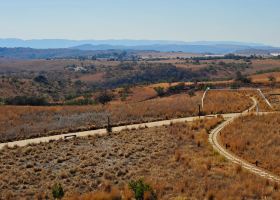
(226, 102)
(256, 139)
(273, 95)
(66, 77)
(266, 78)
(262, 105)
(176, 160)
(18, 122)
(264, 64)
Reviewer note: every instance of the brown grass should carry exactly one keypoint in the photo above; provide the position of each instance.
(23, 122)
(273, 95)
(264, 78)
(226, 102)
(19, 122)
(86, 165)
(256, 139)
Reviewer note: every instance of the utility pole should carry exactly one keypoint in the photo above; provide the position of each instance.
(203, 96)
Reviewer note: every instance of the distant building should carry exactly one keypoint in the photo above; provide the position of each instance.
(214, 56)
(275, 54)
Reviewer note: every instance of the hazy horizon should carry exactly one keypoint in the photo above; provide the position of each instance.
(250, 21)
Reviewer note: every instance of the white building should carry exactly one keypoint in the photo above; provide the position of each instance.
(275, 54)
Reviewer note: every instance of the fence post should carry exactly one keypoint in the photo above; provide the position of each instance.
(109, 127)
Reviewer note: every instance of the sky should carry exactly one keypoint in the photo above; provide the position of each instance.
(181, 20)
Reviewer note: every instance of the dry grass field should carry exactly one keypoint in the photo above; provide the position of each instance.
(263, 64)
(273, 95)
(217, 102)
(175, 160)
(262, 105)
(19, 122)
(266, 77)
(12, 65)
(256, 139)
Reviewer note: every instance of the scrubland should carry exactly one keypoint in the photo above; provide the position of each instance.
(256, 138)
(217, 102)
(19, 122)
(273, 95)
(175, 160)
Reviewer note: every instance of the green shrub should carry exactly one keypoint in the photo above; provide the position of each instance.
(57, 191)
(176, 88)
(80, 102)
(139, 188)
(160, 91)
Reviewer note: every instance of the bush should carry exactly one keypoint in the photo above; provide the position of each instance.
(104, 98)
(191, 93)
(57, 191)
(41, 79)
(241, 78)
(160, 91)
(176, 88)
(80, 102)
(142, 189)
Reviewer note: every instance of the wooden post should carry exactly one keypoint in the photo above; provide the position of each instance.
(109, 127)
(199, 111)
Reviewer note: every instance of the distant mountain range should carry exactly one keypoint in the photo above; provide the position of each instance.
(194, 48)
(202, 47)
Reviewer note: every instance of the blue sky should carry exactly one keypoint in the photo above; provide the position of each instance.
(186, 20)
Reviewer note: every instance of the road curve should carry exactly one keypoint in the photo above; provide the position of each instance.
(214, 141)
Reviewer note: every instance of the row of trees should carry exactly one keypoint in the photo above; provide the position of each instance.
(24, 100)
(175, 89)
(102, 98)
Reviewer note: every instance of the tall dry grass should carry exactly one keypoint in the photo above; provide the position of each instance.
(19, 122)
(255, 138)
(175, 160)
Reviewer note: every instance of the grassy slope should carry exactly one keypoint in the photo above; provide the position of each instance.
(176, 160)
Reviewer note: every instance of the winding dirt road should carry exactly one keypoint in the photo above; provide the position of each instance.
(213, 139)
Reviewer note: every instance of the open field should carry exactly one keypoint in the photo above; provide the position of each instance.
(20, 122)
(176, 160)
(256, 140)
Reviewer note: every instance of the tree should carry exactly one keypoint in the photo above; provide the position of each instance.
(104, 98)
(241, 78)
(41, 79)
(25, 100)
